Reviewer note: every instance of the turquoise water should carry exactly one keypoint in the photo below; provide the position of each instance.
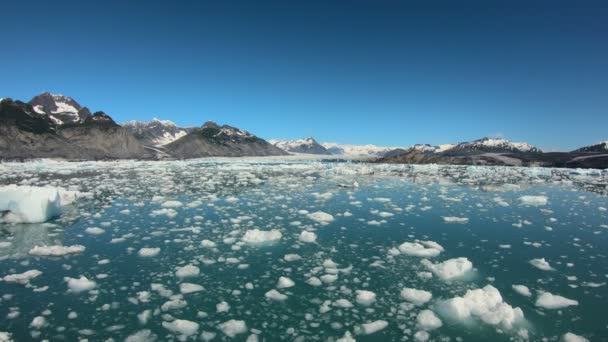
(223, 199)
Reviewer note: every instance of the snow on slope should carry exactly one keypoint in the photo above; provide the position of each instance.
(60, 108)
(307, 145)
(489, 144)
(358, 150)
(156, 132)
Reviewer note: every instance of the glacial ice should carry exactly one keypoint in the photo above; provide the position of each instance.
(28, 204)
(550, 301)
(449, 269)
(417, 297)
(256, 237)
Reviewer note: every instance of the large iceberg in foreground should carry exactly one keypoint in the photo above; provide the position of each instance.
(29, 204)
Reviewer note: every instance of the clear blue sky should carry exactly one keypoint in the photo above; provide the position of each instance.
(386, 72)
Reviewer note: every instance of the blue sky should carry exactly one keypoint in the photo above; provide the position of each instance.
(386, 72)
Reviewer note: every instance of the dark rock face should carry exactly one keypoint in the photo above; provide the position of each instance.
(61, 109)
(598, 148)
(552, 159)
(213, 140)
(25, 134)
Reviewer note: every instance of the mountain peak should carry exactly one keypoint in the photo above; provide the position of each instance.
(211, 124)
(60, 108)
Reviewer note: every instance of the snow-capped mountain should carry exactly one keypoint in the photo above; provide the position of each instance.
(156, 132)
(359, 150)
(63, 110)
(308, 145)
(213, 140)
(602, 146)
(493, 146)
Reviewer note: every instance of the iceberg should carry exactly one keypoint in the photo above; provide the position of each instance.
(28, 204)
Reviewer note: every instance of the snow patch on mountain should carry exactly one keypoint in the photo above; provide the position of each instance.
(156, 132)
(307, 145)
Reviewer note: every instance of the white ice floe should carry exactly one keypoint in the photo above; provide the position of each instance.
(56, 250)
(449, 269)
(571, 337)
(421, 249)
(222, 307)
(186, 288)
(171, 204)
(38, 322)
(417, 297)
(181, 327)
(373, 327)
(260, 237)
(427, 320)
(81, 284)
(308, 237)
(485, 304)
(533, 200)
(233, 327)
(147, 252)
(208, 244)
(321, 217)
(365, 297)
(275, 295)
(541, 264)
(454, 219)
(284, 283)
(187, 271)
(170, 213)
(550, 301)
(522, 290)
(29, 204)
(94, 231)
(343, 303)
(22, 278)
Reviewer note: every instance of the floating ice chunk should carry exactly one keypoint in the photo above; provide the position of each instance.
(346, 338)
(38, 322)
(550, 301)
(6, 337)
(533, 200)
(171, 204)
(28, 204)
(56, 250)
(486, 304)
(260, 237)
(329, 278)
(167, 212)
(321, 217)
(233, 327)
(22, 278)
(81, 284)
(186, 288)
(419, 250)
(148, 252)
(174, 304)
(343, 303)
(421, 336)
(285, 282)
(417, 297)
(222, 307)
(373, 327)
(309, 237)
(522, 290)
(541, 264)
(450, 269)
(365, 297)
(453, 219)
(291, 257)
(314, 281)
(94, 231)
(208, 244)
(141, 336)
(187, 271)
(568, 337)
(427, 320)
(181, 327)
(275, 295)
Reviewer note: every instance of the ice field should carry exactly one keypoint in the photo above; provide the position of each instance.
(296, 249)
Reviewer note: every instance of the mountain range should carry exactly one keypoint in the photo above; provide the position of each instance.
(57, 126)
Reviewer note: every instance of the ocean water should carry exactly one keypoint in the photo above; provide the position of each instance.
(239, 223)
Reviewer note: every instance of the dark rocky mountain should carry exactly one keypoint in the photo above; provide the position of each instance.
(550, 159)
(308, 145)
(156, 132)
(488, 145)
(25, 134)
(601, 147)
(61, 109)
(212, 140)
